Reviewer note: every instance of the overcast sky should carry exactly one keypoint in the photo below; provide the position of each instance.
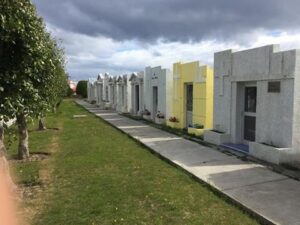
(122, 36)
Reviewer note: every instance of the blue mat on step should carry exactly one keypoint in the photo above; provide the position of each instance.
(237, 147)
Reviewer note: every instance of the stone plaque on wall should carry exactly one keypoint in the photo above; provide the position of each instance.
(274, 87)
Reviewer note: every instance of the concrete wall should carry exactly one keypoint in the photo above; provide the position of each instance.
(202, 79)
(274, 114)
(222, 91)
(155, 77)
(296, 109)
(169, 94)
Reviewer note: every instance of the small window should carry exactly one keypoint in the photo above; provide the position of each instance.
(250, 99)
(274, 87)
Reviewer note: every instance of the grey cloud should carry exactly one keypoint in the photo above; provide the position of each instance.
(172, 20)
(82, 69)
(145, 21)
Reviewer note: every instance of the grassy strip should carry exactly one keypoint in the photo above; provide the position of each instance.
(104, 177)
(27, 172)
(100, 176)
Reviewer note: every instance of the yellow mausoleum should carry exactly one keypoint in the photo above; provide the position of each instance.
(192, 98)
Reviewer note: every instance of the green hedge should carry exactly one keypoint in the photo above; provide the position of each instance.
(81, 88)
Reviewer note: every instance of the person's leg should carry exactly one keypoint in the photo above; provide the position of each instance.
(7, 191)
(7, 195)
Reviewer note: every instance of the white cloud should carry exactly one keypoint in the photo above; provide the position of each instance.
(285, 39)
(87, 56)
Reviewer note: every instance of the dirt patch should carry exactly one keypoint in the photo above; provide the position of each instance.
(29, 191)
(28, 202)
(34, 198)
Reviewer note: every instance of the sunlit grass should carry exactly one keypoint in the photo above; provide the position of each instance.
(101, 176)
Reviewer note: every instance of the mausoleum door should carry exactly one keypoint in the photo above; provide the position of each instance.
(106, 93)
(101, 93)
(189, 105)
(155, 101)
(250, 114)
(137, 98)
(113, 94)
(122, 95)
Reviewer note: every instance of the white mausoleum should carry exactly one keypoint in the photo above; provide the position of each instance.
(112, 92)
(105, 87)
(122, 94)
(129, 93)
(137, 93)
(99, 90)
(156, 83)
(91, 90)
(257, 102)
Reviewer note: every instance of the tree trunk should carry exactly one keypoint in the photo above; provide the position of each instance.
(58, 105)
(42, 124)
(1, 131)
(23, 150)
(54, 109)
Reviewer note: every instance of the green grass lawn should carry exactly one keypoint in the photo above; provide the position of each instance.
(101, 176)
(27, 173)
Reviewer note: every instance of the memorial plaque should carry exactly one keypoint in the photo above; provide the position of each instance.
(274, 87)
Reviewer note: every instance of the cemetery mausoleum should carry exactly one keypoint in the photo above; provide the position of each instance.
(257, 102)
(192, 97)
(157, 82)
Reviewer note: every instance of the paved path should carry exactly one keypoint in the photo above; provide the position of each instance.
(272, 196)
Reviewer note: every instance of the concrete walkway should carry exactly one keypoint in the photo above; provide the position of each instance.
(273, 197)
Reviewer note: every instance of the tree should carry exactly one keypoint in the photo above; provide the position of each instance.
(70, 92)
(56, 88)
(29, 62)
(81, 88)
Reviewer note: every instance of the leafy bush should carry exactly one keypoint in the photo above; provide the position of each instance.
(198, 126)
(146, 112)
(81, 88)
(173, 119)
(160, 115)
(69, 92)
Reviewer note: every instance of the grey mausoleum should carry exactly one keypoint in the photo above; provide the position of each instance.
(257, 102)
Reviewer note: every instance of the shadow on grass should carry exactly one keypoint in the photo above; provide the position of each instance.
(41, 130)
(36, 156)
